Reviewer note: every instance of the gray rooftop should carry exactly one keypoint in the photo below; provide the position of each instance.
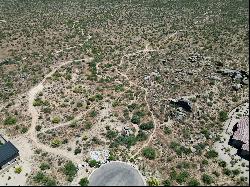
(7, 151)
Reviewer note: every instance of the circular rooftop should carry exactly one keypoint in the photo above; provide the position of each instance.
(116, 174)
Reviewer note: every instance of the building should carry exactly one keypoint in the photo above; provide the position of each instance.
(8, 154)
(240, 138)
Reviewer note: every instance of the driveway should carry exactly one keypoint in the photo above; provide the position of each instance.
(116, 174)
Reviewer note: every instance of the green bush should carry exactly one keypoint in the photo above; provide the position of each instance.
(44, 166)
(222, 163)
(207, 179)
(227, 171)
(84, 182)
(173, 174)
(77, 151)
(167, 130)
(24, 130)
(127, 141)
(111, 134)
(55, 119)
(236, 172)
(211, 154)
(119, 88)
(153, 182)
(193, 182)
(147, 126)
(136, 119)
(204, 162)
(93, 113)
(141, 136)
(10, 121)
(70, 171)
(149, 153)
(38, 102)
(167, 183)
(132, 107)
(41, 178)
(223, 116)
(18, 170)
(182, 177)
(94, 163)
(55, 143)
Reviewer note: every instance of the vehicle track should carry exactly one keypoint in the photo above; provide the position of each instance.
(32, 134)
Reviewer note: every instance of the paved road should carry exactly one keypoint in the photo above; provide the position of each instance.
(116, 174)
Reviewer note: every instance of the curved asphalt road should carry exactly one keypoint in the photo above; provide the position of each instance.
(116, 174)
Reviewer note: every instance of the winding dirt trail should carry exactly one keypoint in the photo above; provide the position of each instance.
(145, 97)
(32, 134)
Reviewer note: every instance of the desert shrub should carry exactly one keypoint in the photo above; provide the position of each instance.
(227, 171)
(193, 182)
(70, 171)
(94, 163)
(55, 119)
(235, 172)
(182, 177)
(127, 141)
(10, 121)
(223, 116)
(167, 130)
(149, 153)
(167, 183)
(211, 154)
(132, 107)
(18, 170)
(93, 113)
(136, 119)
(24, 130)
(141, 136)
(222, 163)
(38, 127)
(38, 102)
(77, 151)
(55, 143)
(41, 178)
(173, 174)
(204, 162)
(147, 126)
(111, 134)
(84, 182)
(44, 166)
(207, 179)
(153, 182)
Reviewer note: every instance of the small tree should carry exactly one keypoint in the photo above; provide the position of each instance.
(167, 183)
(193, 182)
(44, 166)
(56, 119)
(223, 116)
(18, 170)
(10, 121)
(94, 163)
(207, 179)
(167, 130)
(149, 153)
(135, 119)
(147, 126)
(211, 154)
(70, 171)
(153, 182)
(84, 182)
